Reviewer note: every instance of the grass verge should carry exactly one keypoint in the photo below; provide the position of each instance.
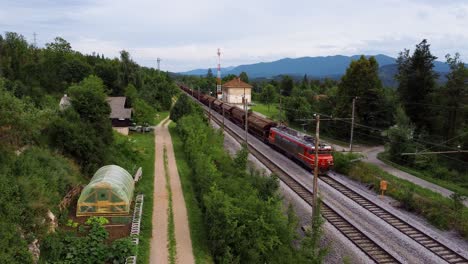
(198, 232)
(425, 175)
(442, 212)
(171, 244)
(270, 111)
(160, 116)
(145, 145)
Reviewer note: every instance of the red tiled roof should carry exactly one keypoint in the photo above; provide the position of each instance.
(237, 83)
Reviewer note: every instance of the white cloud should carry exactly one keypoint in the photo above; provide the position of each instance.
(186, 34)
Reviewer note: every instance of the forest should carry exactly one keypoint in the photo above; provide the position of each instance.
(45, 151)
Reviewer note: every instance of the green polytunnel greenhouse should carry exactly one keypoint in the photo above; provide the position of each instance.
(110, 192)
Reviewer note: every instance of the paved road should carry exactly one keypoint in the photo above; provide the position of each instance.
(372, 158)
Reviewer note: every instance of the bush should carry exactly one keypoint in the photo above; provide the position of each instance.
(67, 247)
(342, 162)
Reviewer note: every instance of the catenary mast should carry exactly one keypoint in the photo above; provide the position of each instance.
(218, 85)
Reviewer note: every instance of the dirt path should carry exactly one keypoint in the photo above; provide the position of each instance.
(159, 253)
(159, 242)
(182, 230)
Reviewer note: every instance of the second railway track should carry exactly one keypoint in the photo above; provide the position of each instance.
(414, 233)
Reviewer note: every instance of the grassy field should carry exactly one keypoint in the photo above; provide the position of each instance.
(426, 176)
(197, 228)
(145, 145)
(271, 112)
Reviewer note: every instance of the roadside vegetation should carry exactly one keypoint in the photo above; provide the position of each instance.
(46, 150)
(442, 212)
(144, 146)
(198, 231)
(172, 243)
(242, 211)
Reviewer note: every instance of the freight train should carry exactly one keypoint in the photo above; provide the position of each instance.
(292, 143)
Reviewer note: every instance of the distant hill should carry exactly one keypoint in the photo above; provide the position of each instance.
(316, 67)
(199, 72)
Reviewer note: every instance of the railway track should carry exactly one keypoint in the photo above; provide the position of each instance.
(374, 251)
(358, 238)
(412, 232)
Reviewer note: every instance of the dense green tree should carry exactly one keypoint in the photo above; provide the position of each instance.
(14, 54)
(128, 73)
(400, 138)
(417, 80)
(14, 250)
(143, 112)
(183, 106)
(268, 95)
(84, 130)
(132, 94)
(108, 71)
(361, 81)
(454, 96)
(286, 85)
(244, 77)
(88, 98)
(297, 108)
(305, 82)
(228, 77)
(209, 74)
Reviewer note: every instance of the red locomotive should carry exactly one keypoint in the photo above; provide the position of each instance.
(292, 143)
(300, 147)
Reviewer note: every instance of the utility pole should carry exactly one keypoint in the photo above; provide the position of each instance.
(315, 192)
(159, 61)
(35, 42)
(223, 117)
(209, 111)
(245, 121)
(352, 126)
(279, 111)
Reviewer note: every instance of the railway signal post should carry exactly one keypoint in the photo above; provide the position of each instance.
(352, 127)
(246, 117)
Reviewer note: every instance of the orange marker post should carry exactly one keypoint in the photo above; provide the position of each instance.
(383, 187)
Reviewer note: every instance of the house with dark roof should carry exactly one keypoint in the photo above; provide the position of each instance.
(120, 116)
(235, 90)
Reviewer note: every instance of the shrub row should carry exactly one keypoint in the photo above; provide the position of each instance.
(242, 210)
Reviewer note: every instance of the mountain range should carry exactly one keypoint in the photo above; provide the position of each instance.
(316, 67)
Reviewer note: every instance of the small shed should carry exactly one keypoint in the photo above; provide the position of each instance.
(110, 192)
(235, 90)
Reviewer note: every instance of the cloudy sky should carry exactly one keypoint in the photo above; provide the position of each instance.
(186, 34)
